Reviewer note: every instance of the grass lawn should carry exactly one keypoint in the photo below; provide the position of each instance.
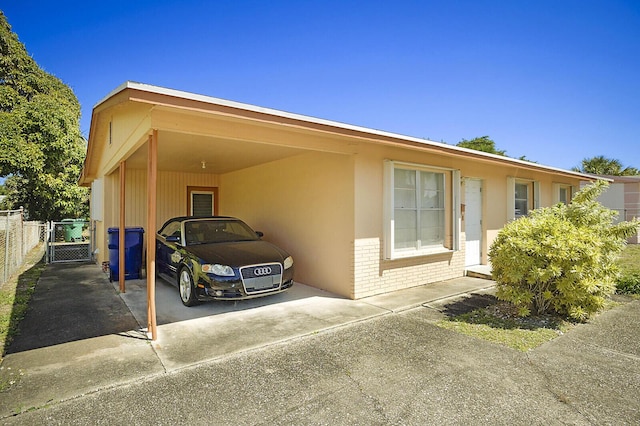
(15, 294)
(500, 324)
(629, 262)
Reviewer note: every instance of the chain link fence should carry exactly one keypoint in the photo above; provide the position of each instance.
(17, 238)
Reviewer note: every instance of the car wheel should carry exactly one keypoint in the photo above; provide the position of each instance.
(187, 289)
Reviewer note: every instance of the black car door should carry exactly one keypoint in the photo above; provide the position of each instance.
(165, 250)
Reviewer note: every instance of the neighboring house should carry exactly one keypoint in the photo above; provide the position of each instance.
(623, 196)
(362, 211)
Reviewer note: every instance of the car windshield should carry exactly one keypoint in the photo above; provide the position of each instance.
(217, 231)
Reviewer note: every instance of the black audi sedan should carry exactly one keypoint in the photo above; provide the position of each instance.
(220, 258)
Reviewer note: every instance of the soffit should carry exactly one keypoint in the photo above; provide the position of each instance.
(181, 152)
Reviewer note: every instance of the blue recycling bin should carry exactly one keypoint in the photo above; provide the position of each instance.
(133, 238)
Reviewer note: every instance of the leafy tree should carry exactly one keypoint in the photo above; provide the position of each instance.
(561, 259)
(483, 143)
(41, 147)
(602, 165)
(524, 158)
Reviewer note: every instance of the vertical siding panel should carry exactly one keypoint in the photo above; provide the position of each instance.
(112, 201)
(172, 191)
(136, 197)
(171, 198)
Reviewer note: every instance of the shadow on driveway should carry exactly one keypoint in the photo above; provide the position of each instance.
(465, 304)
(71, 302)
(76, 301)
(169, 308)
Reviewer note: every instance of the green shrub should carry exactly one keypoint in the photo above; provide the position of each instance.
(561, 259)
(628, 283)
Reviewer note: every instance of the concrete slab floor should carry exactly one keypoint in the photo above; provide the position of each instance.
(192, 335)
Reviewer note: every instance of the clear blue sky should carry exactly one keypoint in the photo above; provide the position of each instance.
(554, 80)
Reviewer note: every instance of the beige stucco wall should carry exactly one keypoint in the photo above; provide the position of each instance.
(303, 204)
(373, 274)
(495, 193)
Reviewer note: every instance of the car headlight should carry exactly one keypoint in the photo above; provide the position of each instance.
(288, 262)
(217, 269)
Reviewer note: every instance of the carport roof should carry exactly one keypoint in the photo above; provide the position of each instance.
(146, 93)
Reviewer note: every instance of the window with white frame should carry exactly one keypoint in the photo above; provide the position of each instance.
(562, 193)
(417, 210)
(522, 196)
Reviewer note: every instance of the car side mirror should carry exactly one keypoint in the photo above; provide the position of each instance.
(173, 239)
(260, 234)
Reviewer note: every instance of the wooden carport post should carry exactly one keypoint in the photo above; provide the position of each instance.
(151, 234)
(121, 227)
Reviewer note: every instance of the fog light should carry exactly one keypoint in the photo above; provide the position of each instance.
(219, 293)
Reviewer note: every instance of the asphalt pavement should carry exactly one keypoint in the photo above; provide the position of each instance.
(318, 359)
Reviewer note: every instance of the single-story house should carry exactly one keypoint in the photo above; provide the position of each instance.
(623, 196)
(362, 211)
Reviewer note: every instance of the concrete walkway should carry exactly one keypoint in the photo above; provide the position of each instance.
(80, 336)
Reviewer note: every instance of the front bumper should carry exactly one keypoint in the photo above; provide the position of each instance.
(211, 287)
(240, 294)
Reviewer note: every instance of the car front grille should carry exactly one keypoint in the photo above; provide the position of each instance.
(261, 278)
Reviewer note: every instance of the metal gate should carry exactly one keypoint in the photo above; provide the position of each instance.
(69, 241)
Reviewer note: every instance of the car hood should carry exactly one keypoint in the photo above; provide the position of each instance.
(239, 253)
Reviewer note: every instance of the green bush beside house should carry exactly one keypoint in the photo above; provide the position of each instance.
(561, 259)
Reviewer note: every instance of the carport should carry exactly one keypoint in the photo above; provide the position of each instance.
(155, 153)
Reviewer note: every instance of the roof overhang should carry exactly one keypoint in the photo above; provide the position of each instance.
(617, 179)
(175, 100)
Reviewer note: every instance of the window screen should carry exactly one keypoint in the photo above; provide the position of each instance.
(522, 199)
(419, 209)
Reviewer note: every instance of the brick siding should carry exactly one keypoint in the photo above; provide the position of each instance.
(373, 275)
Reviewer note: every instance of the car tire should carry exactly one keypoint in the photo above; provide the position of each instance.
(186, 288)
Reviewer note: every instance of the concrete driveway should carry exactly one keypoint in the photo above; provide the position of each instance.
(393, 369)
(80, 335)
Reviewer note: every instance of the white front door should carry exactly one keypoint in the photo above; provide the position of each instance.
(473, 221)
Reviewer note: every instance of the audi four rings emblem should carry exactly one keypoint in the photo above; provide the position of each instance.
(262, 271)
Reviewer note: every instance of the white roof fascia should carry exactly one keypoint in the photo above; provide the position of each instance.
(299, 117)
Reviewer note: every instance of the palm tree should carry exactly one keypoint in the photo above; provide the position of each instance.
(602, 165)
